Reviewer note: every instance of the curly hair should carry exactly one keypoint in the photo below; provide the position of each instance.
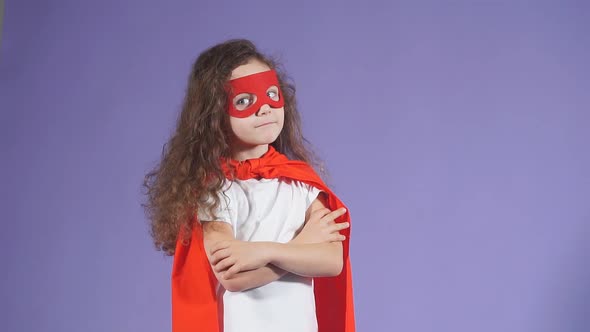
(189, 173)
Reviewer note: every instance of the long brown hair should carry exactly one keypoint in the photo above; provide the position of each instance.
(190, 171)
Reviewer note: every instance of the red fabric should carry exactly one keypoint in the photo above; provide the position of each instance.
(194, 302)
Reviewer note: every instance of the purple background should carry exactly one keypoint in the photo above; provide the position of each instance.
(457, 132)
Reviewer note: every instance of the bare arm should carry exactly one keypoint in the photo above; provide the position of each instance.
(217, 231)
(310, 260)
(315, 252)
(308, 255)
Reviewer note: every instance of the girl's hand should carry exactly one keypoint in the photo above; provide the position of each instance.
(238, 256)
(321, 228)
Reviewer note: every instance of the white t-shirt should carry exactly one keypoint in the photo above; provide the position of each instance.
(267, 210)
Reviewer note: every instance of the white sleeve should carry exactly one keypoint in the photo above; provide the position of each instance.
(223, 211)
(312, 194)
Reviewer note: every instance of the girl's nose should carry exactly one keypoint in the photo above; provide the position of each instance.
(264, 109)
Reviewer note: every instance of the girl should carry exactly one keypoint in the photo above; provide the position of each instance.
(259, 241)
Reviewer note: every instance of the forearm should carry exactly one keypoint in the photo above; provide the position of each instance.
(254, 278)
(215, 232)
(309, 260)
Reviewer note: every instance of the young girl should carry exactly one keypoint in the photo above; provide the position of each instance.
(260, 243)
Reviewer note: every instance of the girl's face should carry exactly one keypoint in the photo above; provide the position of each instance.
(264, 125)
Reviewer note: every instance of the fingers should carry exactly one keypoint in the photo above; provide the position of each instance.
(335, 214)
(334, 231)
(339, 226)
(219, 256)
(232, 271)
(319, 213)
(337, 237)
(224, 264)
(327, 215)
(219, 246)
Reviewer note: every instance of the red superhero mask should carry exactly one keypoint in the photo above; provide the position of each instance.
(257, 91)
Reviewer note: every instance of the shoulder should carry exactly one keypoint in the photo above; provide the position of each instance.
(229, 189)
(303, 186)
(317, 204)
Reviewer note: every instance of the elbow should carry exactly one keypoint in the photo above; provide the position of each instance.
(232, 285)
(336, 261)
(331, 270)
(237, 284)
(336, 267)
(333, 267)
(234, 288)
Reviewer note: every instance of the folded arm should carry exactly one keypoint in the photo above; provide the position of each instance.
(216, 232)
(317, 249)
(315, 252)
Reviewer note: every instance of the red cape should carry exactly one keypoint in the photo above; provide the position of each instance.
(194, 301)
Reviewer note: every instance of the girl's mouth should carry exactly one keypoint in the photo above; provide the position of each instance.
(265, 124)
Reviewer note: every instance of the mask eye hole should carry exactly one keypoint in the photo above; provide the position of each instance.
(273, 93)
(243, 101)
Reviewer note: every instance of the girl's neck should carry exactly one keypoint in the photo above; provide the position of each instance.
(251, 152)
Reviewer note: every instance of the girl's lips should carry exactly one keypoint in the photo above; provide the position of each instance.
(264, 124)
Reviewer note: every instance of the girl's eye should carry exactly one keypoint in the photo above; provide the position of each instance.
(243, 101)
(273, 94)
